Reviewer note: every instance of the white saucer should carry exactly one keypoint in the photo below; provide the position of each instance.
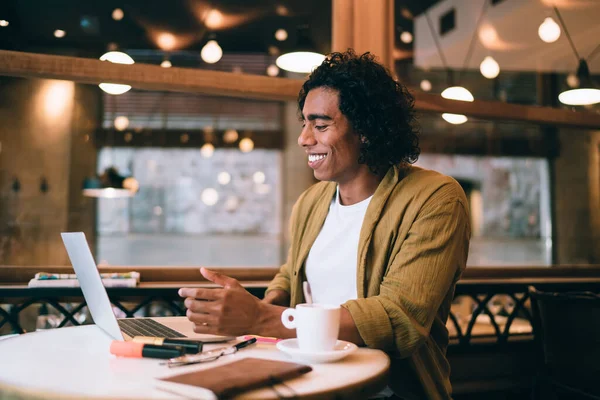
(341, 350)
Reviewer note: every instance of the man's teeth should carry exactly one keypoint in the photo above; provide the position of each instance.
(316, 157)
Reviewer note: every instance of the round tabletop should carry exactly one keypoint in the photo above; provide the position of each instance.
(75, 362)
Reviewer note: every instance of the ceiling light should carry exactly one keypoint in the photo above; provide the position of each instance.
(425, 85)
(282, 10)
(207, 150)
(489, 67)
(281, 35)
(166, 64)
(259, 177)
(456, 93)
(303, 59)
(549, 31)
(121, 123)
(585, 94)
(59, 33)
(272, 70)
(406, 37)
(300, 61)
(246, 145)
(211, 52)
(230, 136)
(3, 23)
(572, 80)
(209, 196)
(117, 14)
(214, 19)
(273, 51)
(116, 57)
(455, 119)
(223, 178)
(166, 41)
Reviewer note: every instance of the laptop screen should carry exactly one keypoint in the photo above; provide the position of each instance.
(91, 284)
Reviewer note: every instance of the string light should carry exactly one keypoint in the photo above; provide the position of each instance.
(549, 31)
(406, 37)
(281, 35)
(246, 145)
(117, 14)
(59, 33)
(211, 52)
(489, 67)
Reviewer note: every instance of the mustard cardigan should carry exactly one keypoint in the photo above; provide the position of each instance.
(413, 247)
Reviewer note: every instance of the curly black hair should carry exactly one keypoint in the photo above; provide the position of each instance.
(379, 108)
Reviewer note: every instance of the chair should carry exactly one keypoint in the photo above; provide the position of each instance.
(567, 330)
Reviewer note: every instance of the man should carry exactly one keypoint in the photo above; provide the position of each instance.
(384, 239)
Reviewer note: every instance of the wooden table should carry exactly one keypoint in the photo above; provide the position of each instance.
(75, 362)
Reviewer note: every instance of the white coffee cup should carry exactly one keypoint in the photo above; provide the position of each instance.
(317, 325)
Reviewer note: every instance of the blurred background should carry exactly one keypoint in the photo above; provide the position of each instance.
(176, 179)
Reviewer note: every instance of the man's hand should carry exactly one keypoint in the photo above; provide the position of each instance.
(231, 310)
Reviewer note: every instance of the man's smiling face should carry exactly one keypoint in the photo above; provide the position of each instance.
(327, 137)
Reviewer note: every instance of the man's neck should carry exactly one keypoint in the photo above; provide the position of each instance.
(360, 187)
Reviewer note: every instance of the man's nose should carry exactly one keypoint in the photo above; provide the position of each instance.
(306, 137)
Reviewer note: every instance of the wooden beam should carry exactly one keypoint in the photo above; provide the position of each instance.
(151, 77)
(147, 77)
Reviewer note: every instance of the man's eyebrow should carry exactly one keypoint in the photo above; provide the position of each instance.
(312, 117)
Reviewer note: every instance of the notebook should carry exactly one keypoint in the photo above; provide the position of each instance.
(236, 377)
(101, 309)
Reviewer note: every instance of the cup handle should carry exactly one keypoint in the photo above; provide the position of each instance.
(285, 318)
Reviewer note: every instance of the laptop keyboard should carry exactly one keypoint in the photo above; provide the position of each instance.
(146, 327)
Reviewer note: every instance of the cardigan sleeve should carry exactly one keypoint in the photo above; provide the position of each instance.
(418, 279)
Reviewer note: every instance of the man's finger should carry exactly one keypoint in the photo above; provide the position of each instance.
(219, 279)
(201, 293)
(201, 319)
(198, 306)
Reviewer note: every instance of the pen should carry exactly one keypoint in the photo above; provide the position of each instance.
(190, 346)
(208, 355)
(137, 350)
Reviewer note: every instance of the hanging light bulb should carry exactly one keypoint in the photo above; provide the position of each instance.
(211, 52)
(585, 94)
(425, 85)
(281, 35)
(549, 31)
(304, 59)
(246, 145)
(406, 37)
(456, 93)
(116, 57)
(121, 123)
(272, 70)
(489, 67)
(207, 150)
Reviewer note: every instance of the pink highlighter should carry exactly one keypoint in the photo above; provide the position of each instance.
(263, 339)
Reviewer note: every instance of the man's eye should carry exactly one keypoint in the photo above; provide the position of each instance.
(321, 127)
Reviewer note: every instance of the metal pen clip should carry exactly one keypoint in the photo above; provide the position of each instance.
(210, 355)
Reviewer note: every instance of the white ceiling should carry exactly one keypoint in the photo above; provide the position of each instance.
(517, 45)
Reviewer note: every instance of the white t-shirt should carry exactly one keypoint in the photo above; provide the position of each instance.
(332, 261)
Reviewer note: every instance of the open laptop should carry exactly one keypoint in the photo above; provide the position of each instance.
(101, 309)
